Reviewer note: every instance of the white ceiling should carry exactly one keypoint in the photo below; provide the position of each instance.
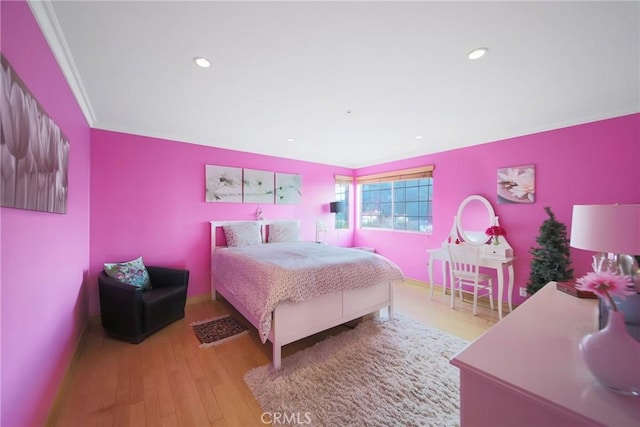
(353, 83)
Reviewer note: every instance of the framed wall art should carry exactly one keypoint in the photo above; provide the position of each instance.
(516, 184)
(288, 189)
(258, 186)
(223, 184)
(34, 153)
(237, 185)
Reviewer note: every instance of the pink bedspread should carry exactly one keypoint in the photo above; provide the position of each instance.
(262, 276)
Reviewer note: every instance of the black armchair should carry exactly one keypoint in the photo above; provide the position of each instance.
(130, 314)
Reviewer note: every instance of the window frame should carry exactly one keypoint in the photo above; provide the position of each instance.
(342, 219)
(391, 178)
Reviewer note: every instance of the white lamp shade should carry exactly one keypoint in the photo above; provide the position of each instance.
(606, 228)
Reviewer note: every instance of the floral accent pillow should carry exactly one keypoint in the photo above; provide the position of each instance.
(132, 273)
(243, 234)
(284, 231)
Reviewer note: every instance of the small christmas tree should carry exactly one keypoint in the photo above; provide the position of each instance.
(552, 260)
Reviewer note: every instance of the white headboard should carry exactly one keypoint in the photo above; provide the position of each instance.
(264, 224)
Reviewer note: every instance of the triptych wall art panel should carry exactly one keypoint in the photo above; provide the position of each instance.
(516, 184)
(257, 186)
(237, 185)
(34, 153)
(223, 184)
(288, 189)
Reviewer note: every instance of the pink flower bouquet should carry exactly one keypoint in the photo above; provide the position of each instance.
(606, 284)
(495, 232)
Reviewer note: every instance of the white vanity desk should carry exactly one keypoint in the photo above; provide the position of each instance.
(475, 215)
(499, 265)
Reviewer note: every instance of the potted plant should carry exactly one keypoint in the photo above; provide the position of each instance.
(552, 259)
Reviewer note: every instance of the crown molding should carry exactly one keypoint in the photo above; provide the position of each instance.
(46, 18)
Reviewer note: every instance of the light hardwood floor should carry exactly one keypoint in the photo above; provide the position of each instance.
(167, 380)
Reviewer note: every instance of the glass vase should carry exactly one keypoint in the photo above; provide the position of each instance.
(613, 356)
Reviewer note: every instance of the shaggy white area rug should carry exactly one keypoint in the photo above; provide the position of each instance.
(382, 373)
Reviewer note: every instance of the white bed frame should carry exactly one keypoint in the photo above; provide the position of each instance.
(293, 321)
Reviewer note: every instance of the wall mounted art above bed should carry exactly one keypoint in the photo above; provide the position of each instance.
(223, 184)
(238, 185)
(288, 189)
(257, 186)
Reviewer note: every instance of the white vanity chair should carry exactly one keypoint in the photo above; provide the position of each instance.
(464, 266)
(475, 214)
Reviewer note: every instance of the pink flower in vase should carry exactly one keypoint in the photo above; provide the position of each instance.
(495, 232)
(611, 354)
(606, 284)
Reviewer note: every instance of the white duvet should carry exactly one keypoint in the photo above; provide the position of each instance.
(262, 276)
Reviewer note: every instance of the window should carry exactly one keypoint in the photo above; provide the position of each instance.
(401, 200)
(342, 196)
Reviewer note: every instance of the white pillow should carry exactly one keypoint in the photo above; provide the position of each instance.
(284, 231)
(243, 234)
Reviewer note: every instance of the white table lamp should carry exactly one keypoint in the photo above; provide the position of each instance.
(321, 227)
(612, 230)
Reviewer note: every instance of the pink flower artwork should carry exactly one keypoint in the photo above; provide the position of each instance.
(516, 184)
(34, 153)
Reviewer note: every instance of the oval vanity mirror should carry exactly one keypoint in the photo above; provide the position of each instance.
(475, 215)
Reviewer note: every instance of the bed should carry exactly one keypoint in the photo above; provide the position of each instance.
(290, 289)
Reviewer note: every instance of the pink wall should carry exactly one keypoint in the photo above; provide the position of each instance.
(148, 199)
(595, 163)
(45, 256)
(144, 203)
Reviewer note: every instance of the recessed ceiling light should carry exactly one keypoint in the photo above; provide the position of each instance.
(290, 139)
(478, 53)
(202, 62)
(419, 137)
